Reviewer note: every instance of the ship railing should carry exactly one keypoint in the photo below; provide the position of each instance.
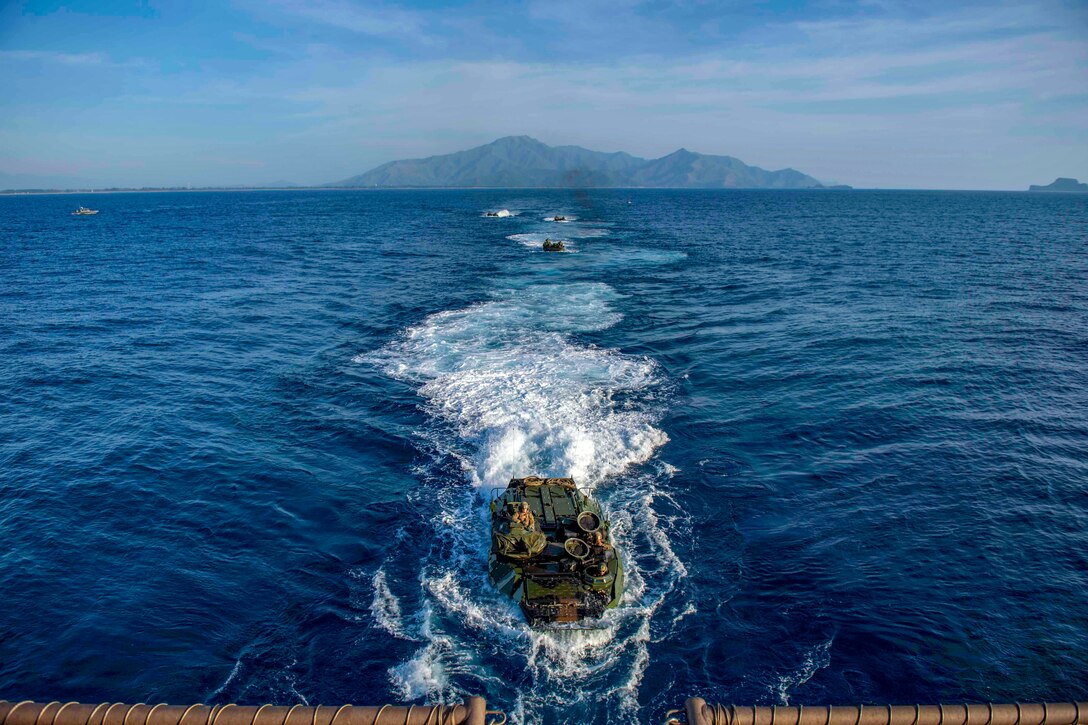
(472, 712)
(697, 711)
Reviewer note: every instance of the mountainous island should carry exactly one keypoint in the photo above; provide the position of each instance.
(521, 161)
(1062, 184)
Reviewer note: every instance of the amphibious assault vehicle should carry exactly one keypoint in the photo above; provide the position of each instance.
(551, 552)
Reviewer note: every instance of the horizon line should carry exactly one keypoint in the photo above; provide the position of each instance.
(184, 189)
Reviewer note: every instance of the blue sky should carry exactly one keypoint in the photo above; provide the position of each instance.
(872, 93)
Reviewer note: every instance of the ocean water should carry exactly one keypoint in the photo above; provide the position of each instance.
(245, 440)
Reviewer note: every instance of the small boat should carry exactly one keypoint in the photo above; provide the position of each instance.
(558, 218)
(502, 213)
(550, 246)
(84, 211)
(551, 552)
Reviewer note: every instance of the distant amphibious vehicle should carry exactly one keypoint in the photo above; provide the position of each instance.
(551, 552)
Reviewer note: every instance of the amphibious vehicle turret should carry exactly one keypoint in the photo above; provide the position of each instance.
(551, 552)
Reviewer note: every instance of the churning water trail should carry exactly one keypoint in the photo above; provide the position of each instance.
(513, 389)
(507, 377)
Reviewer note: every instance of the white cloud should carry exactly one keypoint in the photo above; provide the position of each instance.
(371, 19)
(56, 57)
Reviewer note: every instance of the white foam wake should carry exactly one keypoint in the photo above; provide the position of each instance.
(816, 659)
(576, 232)
(513, 392)
(521, 394)
(385, 608)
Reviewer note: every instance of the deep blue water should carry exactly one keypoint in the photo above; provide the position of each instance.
(843, 439)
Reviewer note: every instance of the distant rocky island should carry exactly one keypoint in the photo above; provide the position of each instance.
(1062, 184)
(521, 161)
